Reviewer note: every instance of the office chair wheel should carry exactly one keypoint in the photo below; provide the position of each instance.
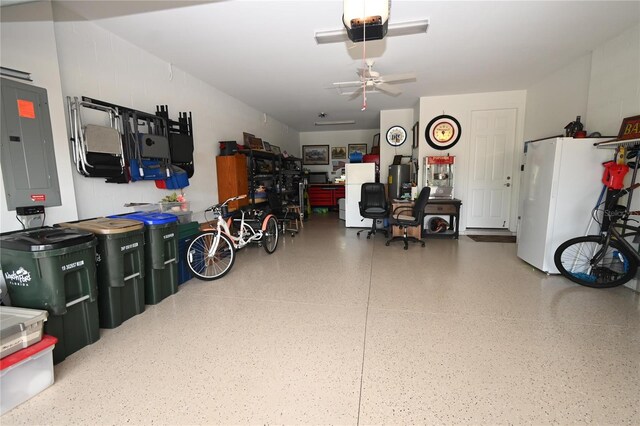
(368, 237)
(406, 247)
(387, 243)
(422, 244)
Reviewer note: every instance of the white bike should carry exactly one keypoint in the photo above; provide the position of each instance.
(212, 253)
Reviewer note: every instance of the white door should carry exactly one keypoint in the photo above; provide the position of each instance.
(491, 158)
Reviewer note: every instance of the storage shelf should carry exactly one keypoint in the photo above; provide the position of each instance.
(616, 143)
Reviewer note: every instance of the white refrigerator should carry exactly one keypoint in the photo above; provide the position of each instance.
(560, 187)
(355, 175)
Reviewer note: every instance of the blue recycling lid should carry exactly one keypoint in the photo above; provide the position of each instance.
(148, 218)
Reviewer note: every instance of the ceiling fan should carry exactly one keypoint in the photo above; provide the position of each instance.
(372, 82)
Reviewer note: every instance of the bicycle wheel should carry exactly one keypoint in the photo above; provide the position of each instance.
(208, 261)
(270, 235)
(574, 260)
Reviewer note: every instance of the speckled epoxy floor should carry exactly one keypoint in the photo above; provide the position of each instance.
(332, 329)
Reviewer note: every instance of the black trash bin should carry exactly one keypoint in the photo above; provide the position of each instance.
(55, 269)
(161, 254)
(120, 263)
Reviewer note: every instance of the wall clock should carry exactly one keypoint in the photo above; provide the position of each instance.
(443, 132)
(396, 135)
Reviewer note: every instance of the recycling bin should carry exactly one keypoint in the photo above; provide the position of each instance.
(120, 262)
(55, 269)
(186, 233)
(160, 254)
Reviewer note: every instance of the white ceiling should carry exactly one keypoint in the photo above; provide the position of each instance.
(264, 52)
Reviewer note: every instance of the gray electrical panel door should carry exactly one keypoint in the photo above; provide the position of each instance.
(27, 155)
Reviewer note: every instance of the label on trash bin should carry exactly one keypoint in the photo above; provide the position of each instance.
(21, 277)
(128, 246)
(167, 236)
(73, 265)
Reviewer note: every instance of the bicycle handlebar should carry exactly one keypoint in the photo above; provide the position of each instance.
(219, 205)
(625, 191)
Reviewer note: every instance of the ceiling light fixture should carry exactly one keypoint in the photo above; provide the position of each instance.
(399, 29)
(334, 123)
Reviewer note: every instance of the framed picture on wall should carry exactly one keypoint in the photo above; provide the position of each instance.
(255, 143)
(358, 147)
(338, 153)
(315, 154)
(275, 149)
(416, 134)
(246, 139)
(266, 146)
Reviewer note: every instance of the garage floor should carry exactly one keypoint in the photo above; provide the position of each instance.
(336, 329)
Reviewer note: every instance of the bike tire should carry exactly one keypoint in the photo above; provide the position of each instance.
(573, 258)
(270, 235)
(206, 266)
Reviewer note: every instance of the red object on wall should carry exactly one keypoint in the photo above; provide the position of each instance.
(371, 158)
(614, 174)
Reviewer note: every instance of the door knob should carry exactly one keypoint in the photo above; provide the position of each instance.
(507, 184)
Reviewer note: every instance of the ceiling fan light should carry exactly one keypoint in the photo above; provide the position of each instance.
(366, 19)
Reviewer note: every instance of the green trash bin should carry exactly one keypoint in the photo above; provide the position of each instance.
(160, 254)
(55, 269)
(120, 262)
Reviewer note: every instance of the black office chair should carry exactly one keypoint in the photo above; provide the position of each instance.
(281, 213)
(405, 216)
(373, 205)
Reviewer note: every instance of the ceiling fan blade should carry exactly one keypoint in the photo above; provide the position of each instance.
(356, 94)
(388, 89)
(398, 77)
(347, 83)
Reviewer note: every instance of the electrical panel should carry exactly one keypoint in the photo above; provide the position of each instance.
(27, 154)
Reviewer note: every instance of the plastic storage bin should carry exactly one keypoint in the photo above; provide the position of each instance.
(160, 254)
(19, 328)
(186, 233)
(26, 373)
(180, 210)
(120, 261)
(55, 269)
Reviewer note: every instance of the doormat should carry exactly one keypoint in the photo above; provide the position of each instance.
(493, 238)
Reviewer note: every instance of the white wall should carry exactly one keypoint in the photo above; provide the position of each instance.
(98, 64)
(460, 107)
(27, 43)
(389, 118)
(556, 101)
(335, 138)
(614, 88)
